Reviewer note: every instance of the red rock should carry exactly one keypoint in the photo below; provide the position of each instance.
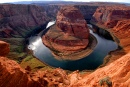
(70, 33)
(11, 74)
(118, 72)
(71, 21)
(122, 29)
(4, 48)
(108, 16)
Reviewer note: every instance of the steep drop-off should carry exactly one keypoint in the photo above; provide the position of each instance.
(122, 32)
(19, 20)
(70, 33)
(108, 16)
(115, 19)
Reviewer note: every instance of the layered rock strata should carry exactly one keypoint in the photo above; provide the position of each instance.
(108, 16)
(122, 32)
(20, 20)
(70, 33)
(115, 19)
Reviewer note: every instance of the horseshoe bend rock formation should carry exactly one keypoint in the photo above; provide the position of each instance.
(108, 16)
(70, 33)
(17, 20)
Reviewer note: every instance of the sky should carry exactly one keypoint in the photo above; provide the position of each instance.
(126, 1)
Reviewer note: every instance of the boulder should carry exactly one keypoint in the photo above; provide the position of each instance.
(4, 48)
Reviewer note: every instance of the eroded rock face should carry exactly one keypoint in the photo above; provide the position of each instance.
(70, 33)
(116, 74)
(122, 32)
(122, 29)
(20, 20)
(108, 16)
(11, 74)
(71, 21)
(4, 48)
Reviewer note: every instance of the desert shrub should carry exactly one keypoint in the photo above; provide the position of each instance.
(105, 82)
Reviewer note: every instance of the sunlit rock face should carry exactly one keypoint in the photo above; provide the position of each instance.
(117, 18)
(122, 29)
(12, 75)
(71, 21)
(108, 16)
(116, 74)
(70, 33)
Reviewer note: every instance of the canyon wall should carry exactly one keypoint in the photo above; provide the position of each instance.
(108, 16)
(86, 9)
(19, 20)
(116, 20)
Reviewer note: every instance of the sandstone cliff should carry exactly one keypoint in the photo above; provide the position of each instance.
(108, 16)
(122, 32)
(116, 74)
(116, 20)
(70, 33)
(20, 20)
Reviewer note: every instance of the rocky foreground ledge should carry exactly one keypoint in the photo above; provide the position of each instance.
(116, 74)
(70, 34)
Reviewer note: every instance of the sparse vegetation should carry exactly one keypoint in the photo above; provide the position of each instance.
(105, 82)
(34, 63)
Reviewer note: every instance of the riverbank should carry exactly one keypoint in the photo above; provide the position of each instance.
(78, 55)
(68, 47)
(115, 54)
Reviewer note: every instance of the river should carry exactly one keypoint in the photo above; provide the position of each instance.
(90, 62)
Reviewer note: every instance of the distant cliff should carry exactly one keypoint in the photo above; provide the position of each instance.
(20, 20)
(108, 16)
(116, 19)
(86, 10)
